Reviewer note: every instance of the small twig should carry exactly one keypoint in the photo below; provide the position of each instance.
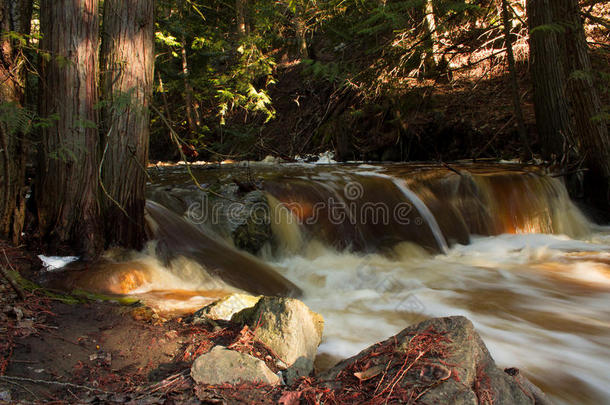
(63, 384)
(176, 139)
(103, 187)
(8, 278)
(598, 20)
(568, 172)
(25, 389)
(400, 377)
(385, 372)
(166, 382)
(493, 138)
(450, 168)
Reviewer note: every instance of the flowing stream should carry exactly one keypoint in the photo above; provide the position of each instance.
(376, 248)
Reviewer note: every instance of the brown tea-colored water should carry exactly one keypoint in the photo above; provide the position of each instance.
(376, 248)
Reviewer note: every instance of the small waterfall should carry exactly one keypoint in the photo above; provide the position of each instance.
(531, 203)
(429, 218)
(497, 202)
(357, 211)
(373, 208)
(520, 259)
(285, 226)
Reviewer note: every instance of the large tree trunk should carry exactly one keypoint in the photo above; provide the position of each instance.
(592, 135)
(15, 16)
(565, 98)
(67, 187)
(548, 78)
(127, 80)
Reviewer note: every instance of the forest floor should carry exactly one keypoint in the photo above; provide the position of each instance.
(432, 120)
(467, 116)
(96, 351)
(58, 348)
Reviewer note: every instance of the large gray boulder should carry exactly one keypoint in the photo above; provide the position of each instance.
(289, 328)
(441, 360)
(221, 365)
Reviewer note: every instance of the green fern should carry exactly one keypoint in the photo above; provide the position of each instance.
(16, 118)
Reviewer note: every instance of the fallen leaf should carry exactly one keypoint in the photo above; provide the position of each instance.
(290, 398)
(369, 372)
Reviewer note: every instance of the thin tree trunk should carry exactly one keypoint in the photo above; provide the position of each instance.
(168, 112)
(127, 61)
(552, 113)
(15, 16)
(300, 28)
(510, 57)
(67, 188)
(434, 40)
(240, 15)
(191, 111)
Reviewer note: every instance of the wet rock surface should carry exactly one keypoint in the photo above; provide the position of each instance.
(237, 212)
(251, 224)
(438, 361)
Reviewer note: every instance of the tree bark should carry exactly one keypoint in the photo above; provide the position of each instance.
(592, 134)
(548, 78)
(127, 60)
(435, 56)
(192, 110)
(67, 188)
(300, 28)
(510, 57)
(240, 16)
(168, 112)
(15, 16)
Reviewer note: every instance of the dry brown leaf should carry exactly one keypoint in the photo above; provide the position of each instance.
(369, 372)
(290, 398)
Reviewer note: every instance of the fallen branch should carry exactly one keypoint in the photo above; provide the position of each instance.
(12, 283)
(10, 280)
(63, 384)
(166, 383)
(177, 141)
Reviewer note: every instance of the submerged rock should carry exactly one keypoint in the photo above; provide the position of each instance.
(289, 328)
(251, 223)
(238, 211)
(221, 365)
(440, 361)
(225, 308)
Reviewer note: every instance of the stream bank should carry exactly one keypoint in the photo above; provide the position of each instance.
(102, 352)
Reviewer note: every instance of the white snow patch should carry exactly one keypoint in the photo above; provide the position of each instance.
(56, 262)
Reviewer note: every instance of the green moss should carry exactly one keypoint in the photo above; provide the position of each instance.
(89, 296)
(76, 297)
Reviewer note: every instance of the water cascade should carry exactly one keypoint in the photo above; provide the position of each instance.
(374, 248)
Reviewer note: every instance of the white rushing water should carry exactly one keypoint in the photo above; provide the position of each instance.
(540, 302)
